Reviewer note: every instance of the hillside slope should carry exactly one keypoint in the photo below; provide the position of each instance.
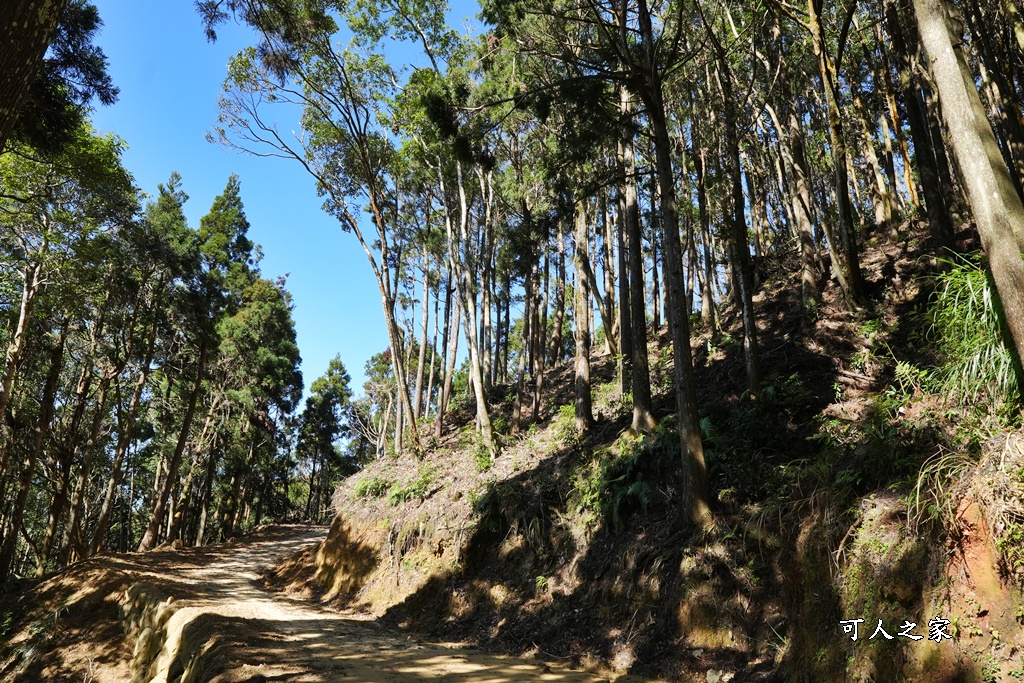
(573, 546)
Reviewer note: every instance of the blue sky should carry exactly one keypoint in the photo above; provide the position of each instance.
(170, 77)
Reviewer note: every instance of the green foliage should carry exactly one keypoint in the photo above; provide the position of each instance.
(565, 425)
(608, 484)
(967, 328)
(72, 75)
(372, 487)
(481, 456)
(417, 487)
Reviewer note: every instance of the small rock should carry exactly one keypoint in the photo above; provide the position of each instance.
(697, 653)
(714, 675)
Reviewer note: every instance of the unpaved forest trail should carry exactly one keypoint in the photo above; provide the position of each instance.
(233, 630)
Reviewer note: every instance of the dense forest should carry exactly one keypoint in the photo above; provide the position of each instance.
(567, 181)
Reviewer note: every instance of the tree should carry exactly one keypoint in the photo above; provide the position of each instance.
(44, 98)
(324, 422)
(347, 149)
(994, 200)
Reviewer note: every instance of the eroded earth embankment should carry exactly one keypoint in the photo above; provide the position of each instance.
(201, 615)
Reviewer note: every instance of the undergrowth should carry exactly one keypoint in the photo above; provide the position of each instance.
(372, 487)
(417, 487)
(967, 328)
(607, 485)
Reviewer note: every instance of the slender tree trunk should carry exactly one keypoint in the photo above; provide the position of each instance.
(881, 202)
(125, 432)
(42, 432)
(149, 539)
(625, 325)
(854, 282)
(422, 358)
(743, 275)
(556, 341)
(453, 351)
(609, 318)
(905, 45)
(581, 248)
(708, 312)
(177, 516)
(643, 411)
(540, 342)
(696, 493)
(207, 495)
(433, 352)
(466, 290)
(16, 347)
(64, 460)
(524, 351)
(72, 543)
(655, 283)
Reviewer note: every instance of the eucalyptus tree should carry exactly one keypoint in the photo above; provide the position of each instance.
(566, 58)
(347, 120)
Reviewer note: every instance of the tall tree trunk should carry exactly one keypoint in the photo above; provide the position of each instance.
(643, 411)
(65, 453)
(625, 326)
(743, 272)
(42, 432)
(609, 317)
(847, 239)
(557, 337)
(708, 312)
(540, 331)
(125, 432)
(73, 543)
(801, 201)
(197, 447)
(524, 350)
(16, 347)
(149, 539)
(449, 374)
(433, 351)
(466, 289)
(881, 201)
(696, 494)
(655, 283)
(581, 247)
(207, 495)
(905, 45)
(424, 326)
(994, 200)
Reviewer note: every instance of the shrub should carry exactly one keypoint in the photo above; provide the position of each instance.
(417, 487)
(608, 484)
(372, 487)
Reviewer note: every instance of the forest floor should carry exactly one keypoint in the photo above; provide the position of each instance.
(215, 622)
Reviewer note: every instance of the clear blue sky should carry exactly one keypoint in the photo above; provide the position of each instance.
(169, 77)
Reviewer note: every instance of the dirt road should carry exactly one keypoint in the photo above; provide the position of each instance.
(231, 629)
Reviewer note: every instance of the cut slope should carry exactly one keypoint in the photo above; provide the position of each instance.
(200, 615)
